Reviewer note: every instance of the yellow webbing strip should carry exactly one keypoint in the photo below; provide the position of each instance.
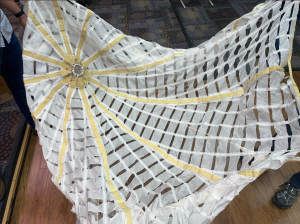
(49, 97)
(47, 35)
(83, 33)
(43, 58)
(44, 77)
(235, 25)
(100, 145)
(193, 100)
(62, 151)
(258, 6)
(156, 148)
(251, 173)
(62, 27)
(107, 48)
(137, 69)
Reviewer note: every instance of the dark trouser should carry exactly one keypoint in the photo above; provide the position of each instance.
(295, 180)
(11, 63)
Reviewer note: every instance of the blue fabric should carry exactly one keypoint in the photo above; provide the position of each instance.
(11, 63)
(295, 180)
(277, 41)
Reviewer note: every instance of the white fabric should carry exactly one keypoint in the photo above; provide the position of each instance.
(160, 135)
(5, 29)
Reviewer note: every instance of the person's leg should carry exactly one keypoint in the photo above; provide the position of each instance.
(295, 180)
(12, 72)
(2, 189)
(287, 195)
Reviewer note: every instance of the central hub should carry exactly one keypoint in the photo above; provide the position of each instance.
(77, 70)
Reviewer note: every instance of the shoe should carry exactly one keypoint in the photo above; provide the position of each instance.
(2, 189)
(285, 197)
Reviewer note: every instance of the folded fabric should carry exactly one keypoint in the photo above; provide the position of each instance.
(134, 132)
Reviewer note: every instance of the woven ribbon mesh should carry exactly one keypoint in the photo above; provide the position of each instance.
(134, 132)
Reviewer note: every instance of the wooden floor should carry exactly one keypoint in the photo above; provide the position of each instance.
(38, 200)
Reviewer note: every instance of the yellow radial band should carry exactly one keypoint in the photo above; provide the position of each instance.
(49, 97)
(62, 27)
(192, 100)
(107, 48)
(137, 69)
(47, 35)
(46, 59)
(62, 151)
(156, 148)
(45, 77)
(100, 145)
(83, 33)
(251, 173)
(235, 25)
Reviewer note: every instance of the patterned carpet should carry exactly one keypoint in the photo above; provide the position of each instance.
(156, 20)
(8, 126)
(151, 20)
(202, 20)
(9, 120)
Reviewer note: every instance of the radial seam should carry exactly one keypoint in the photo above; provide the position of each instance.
(155, 147)
(83, 33)
(137, 69)
(44, 77)
(46, 59)
(48, 98)
(46, 34)
(65, 140)
(61, 26)
(107, 48)
(102, 150)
